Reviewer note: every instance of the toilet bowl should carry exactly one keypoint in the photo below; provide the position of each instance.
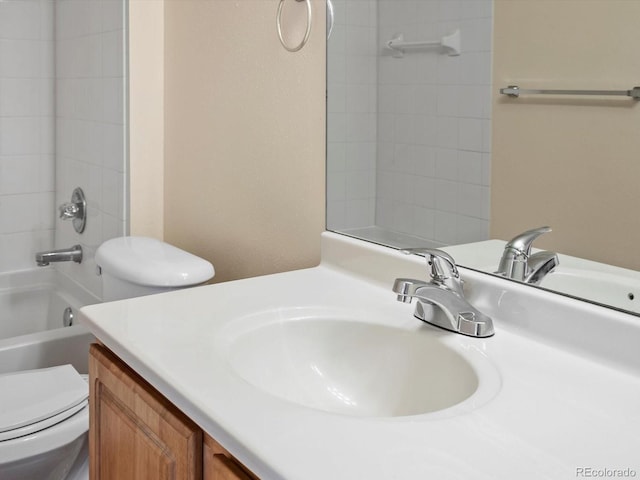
(44, 414)
(44, 423)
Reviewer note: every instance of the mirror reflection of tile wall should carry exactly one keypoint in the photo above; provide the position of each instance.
(408, 151)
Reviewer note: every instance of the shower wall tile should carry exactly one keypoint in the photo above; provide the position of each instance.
(61, 126)
(452, 97)
(90, 126)
(21, 246)
(26, 131)
(24, 213)
(352, 108)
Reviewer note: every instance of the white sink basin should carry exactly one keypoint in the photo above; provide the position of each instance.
(337, 363)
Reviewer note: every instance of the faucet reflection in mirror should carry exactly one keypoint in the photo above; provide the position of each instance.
(517, 262)
(424, 190)
(441, 300)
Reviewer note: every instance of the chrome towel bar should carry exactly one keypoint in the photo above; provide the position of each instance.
(515, 91)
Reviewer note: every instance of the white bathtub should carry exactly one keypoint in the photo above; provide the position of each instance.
(32, 332)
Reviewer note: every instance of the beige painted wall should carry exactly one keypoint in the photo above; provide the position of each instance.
(146, 117)
(568, 162)
(244, 136)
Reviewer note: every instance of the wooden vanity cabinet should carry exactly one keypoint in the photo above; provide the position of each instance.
(220, 465)
(137, 434)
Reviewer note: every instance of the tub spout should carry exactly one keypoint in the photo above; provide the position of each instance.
(73, 254)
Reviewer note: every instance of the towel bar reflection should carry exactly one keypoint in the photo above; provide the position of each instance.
(450, 43)
(515, 91)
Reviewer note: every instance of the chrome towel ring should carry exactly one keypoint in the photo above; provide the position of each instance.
(306, 33)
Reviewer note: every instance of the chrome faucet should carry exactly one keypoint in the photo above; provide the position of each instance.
(73, 254)
(441, 300)
(518, 263)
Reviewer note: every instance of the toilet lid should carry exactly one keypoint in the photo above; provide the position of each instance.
(152, 263)
(33, 396)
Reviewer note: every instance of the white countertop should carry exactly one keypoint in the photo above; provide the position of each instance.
(557, 408)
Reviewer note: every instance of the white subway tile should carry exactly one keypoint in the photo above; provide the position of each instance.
(361, 156)
(425, 99)
(336, 127)
(20, 20)
(19, 97)
(112, 53)
(22, 248)
(424, 222)
(18, 174)
(446, 229)
(359, 213)
(472, 100)
(336, 157)
(470, 200)
(424, 192)
(357, 99)
(470, 167)
(472, 230)
(112, 15)
(20, 135)
(447, 195)
(447, 132)
(20, 58)
(447, 164)
(336, 215)
(357, 185)
(336, 186)
(113, 184)
(423, 159)
(337, 98)
(471, 134)
(111, 227)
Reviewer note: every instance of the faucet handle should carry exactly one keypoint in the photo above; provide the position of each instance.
(443, 267)
(75, 210)
(68, 210)
(522, 243)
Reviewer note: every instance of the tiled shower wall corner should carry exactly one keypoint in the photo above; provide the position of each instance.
(434, 121)
(90, 125)
(351, 112)
(61, 126)
(26, 131)
(412, 133)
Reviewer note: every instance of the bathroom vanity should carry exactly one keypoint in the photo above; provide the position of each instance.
(137, 433)
(321, 373)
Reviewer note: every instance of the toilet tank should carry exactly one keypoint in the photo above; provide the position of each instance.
(137, 266)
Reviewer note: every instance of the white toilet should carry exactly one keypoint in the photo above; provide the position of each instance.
(44, 420)
(137, 266)
(44, 413)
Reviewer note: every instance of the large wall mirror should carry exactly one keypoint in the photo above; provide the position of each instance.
(422, 150)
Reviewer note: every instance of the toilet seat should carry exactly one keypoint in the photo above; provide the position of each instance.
(41, 425)
(34, 400)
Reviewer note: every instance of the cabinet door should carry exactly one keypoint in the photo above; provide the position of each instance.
(220, 465)
(135, 433)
